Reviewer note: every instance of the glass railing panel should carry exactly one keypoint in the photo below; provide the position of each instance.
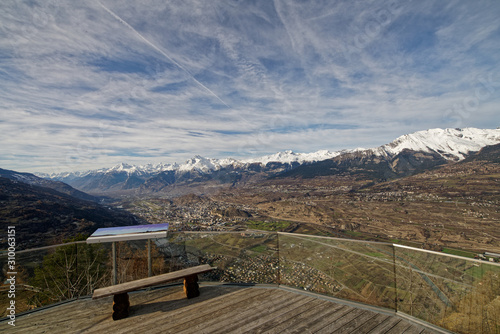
(54, 274)
(23, 293)
(243, 257)
(359, 271)
(35, 283)
(132, 259)
(459, 294)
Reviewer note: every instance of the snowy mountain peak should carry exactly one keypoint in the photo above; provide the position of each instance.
(289, 157)
(452, 144)
(205, 165)
(122, 167)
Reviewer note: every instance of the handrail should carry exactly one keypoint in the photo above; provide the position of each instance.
(446, 254)
(5, 253)
(335, 238)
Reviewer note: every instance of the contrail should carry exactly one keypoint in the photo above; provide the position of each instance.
(162, 52)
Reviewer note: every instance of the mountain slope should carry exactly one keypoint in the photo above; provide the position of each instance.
(489, 153)
(38, 181)
(43, 216)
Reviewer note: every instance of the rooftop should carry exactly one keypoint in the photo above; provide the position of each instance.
(219, 309)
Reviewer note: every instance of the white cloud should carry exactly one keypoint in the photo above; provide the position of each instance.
(85, 85)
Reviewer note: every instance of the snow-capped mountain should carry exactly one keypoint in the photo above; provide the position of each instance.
(290, 157)
(451, 144)
(205, 165)
(439, 144)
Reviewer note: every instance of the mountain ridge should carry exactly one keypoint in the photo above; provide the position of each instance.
(406, 154)
(59, 186)
(407, 141)
(44, 216)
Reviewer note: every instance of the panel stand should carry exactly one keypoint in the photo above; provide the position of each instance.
(150, 267)
(121, 306)
(191, 287)
(115, 271)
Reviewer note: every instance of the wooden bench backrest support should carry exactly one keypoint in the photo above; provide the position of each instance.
(150, 281)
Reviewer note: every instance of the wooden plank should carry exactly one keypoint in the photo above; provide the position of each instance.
(386, 325)
(414, 329)
(197, 313)
(285, 315)
(332, 326)
(59, 322)
(233, 317)
(301, 315)
(401, 327)
(174, 309)
(318, 317)
(269, 313)
(336, 315)
(427, 331)
(372, 323)
(273, 318)
(150, 281)
(357, 322)
(304, 303)
(190, 311)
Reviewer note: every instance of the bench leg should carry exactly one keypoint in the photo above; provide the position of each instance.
(191, 287)
(121, 306)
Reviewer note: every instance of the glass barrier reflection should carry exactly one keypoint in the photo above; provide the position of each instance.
(55, 274)
(359, 271)
(243, 257)
(459, 294)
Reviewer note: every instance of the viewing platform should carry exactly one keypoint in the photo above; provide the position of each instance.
(261, 282)
(219, 309)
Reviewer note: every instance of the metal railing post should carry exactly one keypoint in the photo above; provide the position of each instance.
(115, 271)
(150, 266)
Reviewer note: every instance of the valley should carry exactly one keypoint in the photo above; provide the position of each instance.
(435, 189)
(454, 206)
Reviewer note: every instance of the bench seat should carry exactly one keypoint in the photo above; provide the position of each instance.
(121, 302)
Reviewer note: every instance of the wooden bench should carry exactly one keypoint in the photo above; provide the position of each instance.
(121, 304)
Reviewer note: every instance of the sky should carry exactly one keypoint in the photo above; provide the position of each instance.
(90, 84)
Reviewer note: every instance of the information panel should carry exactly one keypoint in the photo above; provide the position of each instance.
(124, 233)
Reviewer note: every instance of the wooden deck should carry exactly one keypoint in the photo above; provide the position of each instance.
(219, 309)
